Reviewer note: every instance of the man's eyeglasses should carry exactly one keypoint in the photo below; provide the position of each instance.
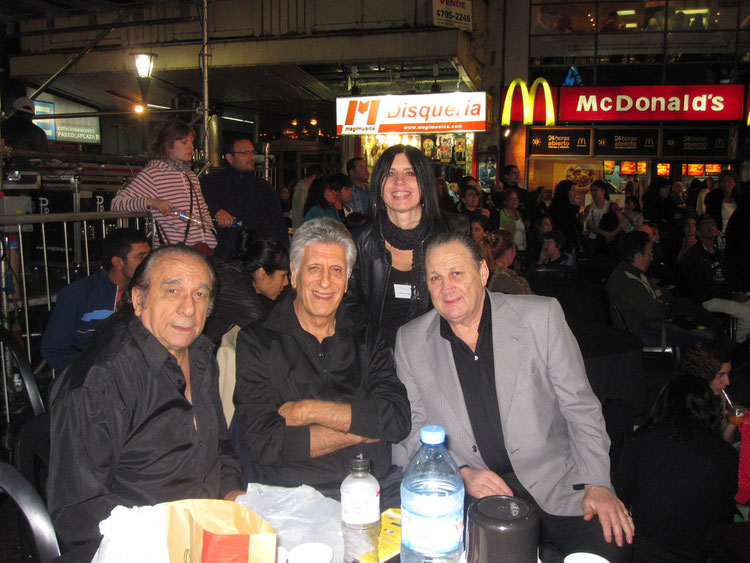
(246, 153)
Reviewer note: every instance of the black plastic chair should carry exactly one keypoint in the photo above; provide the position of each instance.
(618, 321)
(31, 505)
(31, 453)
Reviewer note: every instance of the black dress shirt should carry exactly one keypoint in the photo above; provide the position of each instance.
(278, 361)
(123, 433)
(476, 373)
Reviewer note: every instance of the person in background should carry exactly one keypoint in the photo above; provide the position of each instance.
(534, 236)
(659, 208)
(249, 285)
(737, 249)
(677, 476)
(512, 221)
(678, 195)
(479, 227)
(358, 172)
(471, 200)
(136, 419)
(85, 303)
(597, 236)
(537, 206)
(647, 310)
(702, 267)
(688, 232)
(285, 200)
(236, 194)
(322, 199)
(693, 192)
(19, 130)
(712, 362)
(720, 203)
(564, 211)
(511, 179)
(314, 171)
(552, 253)
(168, 187)
(444, 197)
(499, 250)
(632, 214)
(344, 187)
(700, 204)
(504, 376)
(316, 384)
(388, 279)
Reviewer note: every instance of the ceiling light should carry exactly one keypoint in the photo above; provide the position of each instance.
(625, 12)
(156, 106)
(313, 121)
(138, 108)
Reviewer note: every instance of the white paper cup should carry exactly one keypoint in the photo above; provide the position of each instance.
(310, 553)
(584, 558)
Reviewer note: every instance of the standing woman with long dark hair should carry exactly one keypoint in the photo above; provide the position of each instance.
(168, 187)
(389, 278)
(564, 211)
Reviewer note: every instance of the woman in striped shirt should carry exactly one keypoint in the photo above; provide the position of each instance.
(167, 187)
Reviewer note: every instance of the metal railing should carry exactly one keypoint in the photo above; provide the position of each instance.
(27, 248)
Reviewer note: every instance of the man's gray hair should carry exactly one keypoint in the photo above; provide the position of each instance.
(322, 231)
(142, 275)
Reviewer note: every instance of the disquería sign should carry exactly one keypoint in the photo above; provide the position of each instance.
(419, 113)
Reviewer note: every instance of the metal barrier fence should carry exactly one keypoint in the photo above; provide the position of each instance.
(42, 253)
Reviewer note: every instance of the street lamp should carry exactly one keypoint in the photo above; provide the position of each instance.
(144, 64)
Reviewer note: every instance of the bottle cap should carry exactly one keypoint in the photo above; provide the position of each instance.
(432, 435)
(360, 463)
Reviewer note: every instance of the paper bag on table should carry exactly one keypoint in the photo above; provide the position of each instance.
(218, 531)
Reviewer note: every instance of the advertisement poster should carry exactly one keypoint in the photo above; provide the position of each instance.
(452, 13)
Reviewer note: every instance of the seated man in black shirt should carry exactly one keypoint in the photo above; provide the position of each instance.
(316, 385)
(136, 418)
(703, 268)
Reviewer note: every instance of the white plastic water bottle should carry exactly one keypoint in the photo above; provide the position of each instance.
(432, 504)
(360, 513)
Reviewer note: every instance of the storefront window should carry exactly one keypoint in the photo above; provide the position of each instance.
(563, 18)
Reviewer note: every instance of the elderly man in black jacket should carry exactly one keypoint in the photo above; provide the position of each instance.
(315, 384)
(136, 418)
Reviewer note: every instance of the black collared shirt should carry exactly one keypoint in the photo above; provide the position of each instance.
(123, 433)
(476, 373)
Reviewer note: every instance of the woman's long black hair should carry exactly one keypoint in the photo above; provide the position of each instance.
(316, 194)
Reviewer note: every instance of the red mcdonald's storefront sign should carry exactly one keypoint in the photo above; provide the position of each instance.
(718, 102)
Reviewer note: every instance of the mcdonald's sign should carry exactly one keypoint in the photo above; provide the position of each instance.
(528, 100)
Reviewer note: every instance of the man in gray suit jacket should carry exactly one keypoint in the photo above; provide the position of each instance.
(504, 375)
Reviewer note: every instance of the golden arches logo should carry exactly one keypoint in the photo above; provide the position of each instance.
(528, 97)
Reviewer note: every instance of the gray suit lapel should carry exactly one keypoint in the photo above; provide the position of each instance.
(509, 348)
(440, 355)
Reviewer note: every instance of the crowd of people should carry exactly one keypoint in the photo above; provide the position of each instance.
(231, 353)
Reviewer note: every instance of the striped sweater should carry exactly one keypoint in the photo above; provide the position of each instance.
(160, 180)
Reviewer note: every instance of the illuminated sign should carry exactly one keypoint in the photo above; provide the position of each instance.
(560, 141)
(718, 102)
(626, 142)
(528, 99)
(419, 113)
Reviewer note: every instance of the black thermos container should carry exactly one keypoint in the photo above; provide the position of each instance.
(502, 529)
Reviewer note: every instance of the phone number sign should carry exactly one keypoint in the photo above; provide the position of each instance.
(452, 13)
